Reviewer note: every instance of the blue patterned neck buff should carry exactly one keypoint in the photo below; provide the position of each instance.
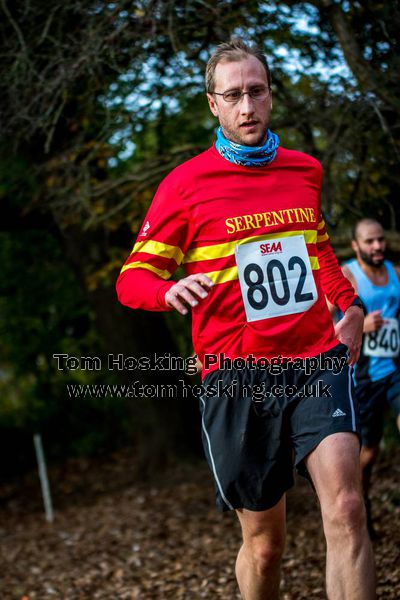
(248, 156)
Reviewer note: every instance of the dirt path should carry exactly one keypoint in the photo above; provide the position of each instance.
(114, 539)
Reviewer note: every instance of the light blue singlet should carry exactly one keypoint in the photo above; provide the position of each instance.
(385, 298)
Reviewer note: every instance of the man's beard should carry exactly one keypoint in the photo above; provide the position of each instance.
(369, 260)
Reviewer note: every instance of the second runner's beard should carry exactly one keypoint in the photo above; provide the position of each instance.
(368, 259)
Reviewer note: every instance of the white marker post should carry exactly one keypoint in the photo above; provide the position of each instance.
(44, 481)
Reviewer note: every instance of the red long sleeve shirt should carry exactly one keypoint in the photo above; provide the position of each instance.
(268, 302)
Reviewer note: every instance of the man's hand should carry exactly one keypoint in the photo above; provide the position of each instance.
(349, 331)
(373, 321)
(198, 365)
(188, 291)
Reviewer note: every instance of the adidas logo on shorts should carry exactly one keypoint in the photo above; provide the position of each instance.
(338, 413)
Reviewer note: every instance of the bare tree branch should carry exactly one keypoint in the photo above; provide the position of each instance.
(365, 74)
(15, 25)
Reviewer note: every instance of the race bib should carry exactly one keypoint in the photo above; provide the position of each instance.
(275, 277)
(383, 343)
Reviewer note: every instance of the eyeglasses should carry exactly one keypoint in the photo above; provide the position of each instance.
(259, 92)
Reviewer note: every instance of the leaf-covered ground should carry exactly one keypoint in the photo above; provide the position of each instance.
(114, 538)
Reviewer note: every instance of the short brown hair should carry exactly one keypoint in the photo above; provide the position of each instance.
(234, 50)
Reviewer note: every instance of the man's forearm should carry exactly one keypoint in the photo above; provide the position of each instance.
(336, 287)
(140, 288)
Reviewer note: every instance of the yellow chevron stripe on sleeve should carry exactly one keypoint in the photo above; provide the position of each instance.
(159, 249)
(321, 224)
(164, 274)
(231, 273)
(228, 249)
(314, 262)
(223, 275)
(323, 238)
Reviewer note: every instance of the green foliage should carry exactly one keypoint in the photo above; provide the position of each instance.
(43, 312)
(42, 307)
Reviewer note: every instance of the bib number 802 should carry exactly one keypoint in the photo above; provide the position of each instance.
(275, 272)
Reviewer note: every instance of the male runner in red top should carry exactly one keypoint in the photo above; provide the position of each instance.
(244, 218)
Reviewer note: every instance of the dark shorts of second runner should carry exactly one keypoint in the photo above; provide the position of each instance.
(373, 398)
(252, 445)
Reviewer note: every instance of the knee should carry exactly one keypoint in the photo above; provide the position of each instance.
(346, 514)
(266, 555)
(368, 456)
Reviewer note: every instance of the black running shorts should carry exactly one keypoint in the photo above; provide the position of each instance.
(257, 425)
(373, 397)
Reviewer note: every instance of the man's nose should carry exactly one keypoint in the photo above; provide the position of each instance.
(246, 104)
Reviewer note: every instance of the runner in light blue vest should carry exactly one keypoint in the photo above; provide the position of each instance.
(377, 373)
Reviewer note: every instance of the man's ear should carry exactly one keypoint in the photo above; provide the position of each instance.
(354, 245)
(212, 104)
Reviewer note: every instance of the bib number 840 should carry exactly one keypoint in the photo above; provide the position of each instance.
(383, 343)
(274, 266)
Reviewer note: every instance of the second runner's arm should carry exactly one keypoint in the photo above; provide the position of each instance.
(341, 293)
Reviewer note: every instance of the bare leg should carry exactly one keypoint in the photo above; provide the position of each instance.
(368, 457)
(259, 559)
(335, 470)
